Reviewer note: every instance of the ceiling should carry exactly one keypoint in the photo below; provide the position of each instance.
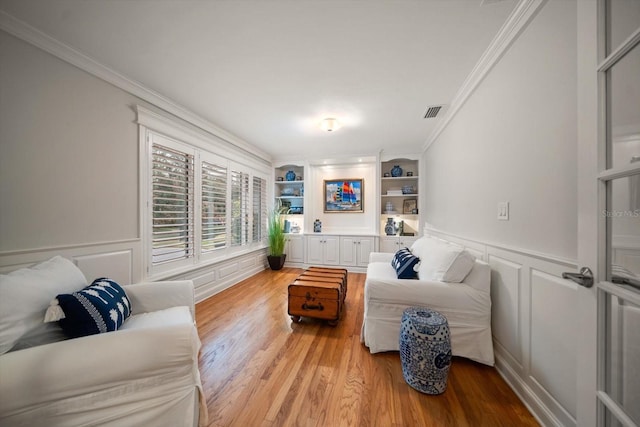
(269, 71)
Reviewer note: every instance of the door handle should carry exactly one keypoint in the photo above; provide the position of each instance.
(584, 278)
(621, 280)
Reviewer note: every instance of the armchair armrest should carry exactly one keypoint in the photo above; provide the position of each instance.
(79, 381)
(153, 296)
(380, 257)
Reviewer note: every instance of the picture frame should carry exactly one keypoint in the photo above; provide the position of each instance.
(343, 195)
(409, 206)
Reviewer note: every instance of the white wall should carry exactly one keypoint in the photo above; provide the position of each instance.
(514, 140)
(68, 153)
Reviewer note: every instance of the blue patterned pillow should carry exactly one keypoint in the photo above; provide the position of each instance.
(101, 307)
(405, 262)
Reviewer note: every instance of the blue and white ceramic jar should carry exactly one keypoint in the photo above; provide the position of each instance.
(390, 227)
(290, 176)
(396, 171)
(317, 226)
(425, 349)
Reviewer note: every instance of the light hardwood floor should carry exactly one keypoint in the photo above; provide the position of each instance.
(260, 369)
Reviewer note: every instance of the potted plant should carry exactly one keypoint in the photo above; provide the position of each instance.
(276, 238)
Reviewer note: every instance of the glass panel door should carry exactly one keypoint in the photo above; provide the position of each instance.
(619, 292)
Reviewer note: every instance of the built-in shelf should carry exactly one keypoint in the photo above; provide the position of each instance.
(398, 178)
(396, 202)
(292, 203)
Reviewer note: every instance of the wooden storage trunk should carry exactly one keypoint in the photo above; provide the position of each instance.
(315, 299)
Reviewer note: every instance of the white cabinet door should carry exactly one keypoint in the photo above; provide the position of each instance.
(323, 250)
(315, 246)
(348, 248)
(331, 250)
(389, 244)
(365, 246)
(354, 251)
(406, 241)
(295, 249)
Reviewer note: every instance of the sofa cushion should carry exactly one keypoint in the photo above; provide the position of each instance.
(26, 293)
(101, 307)
(405, 264)
(445, 263)
(159, 319)
(479, 277)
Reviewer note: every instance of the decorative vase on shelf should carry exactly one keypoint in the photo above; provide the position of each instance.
(290, 176)
(317, 226)
(389, 227)
(396, 171)
(389, 207)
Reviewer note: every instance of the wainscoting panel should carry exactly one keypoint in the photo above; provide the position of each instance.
(534, 326)
(247, 263)
(120, 265)
(216, 277)
(201, 278)
(505, 301)
(119, 260)
(228, 270)
(553, 340)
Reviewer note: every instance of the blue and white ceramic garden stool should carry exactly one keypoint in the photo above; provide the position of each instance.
(425, 349)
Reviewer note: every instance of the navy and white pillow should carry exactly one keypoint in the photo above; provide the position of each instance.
(101, 307)
(405, 264)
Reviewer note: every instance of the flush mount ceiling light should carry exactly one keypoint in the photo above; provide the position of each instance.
(330, 124)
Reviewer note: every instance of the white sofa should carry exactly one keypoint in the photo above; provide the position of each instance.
(144, 374)
(466, 305)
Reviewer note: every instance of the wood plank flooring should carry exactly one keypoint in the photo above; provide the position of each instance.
(260, 369)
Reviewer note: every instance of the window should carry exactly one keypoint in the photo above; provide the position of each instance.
(239, 208)
(172, 204)
(197, 206)
(214, 207)
(259, 209)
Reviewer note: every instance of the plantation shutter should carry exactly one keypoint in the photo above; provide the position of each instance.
(239, 208)
(259, 209)
(214, 207)
(172, 198)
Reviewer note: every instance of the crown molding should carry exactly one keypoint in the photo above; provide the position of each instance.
(37, 38)
(519, 19)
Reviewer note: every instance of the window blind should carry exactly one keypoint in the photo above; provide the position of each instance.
(259, 209)
(239, 208)
(214, 207)
(172, 199)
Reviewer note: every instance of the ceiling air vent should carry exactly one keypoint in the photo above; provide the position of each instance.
(432, 111)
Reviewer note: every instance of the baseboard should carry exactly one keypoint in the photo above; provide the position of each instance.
(539, 411)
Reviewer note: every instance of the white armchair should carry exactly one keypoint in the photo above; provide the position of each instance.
(146, 373)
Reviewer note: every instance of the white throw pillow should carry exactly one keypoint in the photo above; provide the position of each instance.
(424, 246)
(460, 267)
(443, 262)
(25, 295)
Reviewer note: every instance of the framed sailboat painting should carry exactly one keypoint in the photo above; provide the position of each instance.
(344, 195)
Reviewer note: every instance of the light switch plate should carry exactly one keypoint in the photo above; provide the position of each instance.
(503, 211)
